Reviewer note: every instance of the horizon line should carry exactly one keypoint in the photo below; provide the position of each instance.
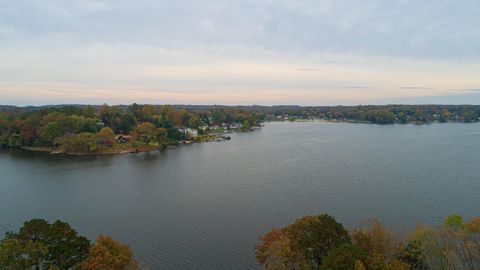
(241, 105)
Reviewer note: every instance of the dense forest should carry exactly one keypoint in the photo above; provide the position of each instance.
(388, 114)
(320, 242)
(41, 245)
(93, 129)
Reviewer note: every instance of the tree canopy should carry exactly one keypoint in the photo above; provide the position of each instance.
(319, 242)
(41, 245)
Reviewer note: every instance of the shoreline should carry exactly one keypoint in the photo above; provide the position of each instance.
(117, 149)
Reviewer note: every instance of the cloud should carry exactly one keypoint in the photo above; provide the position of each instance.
(220, 51)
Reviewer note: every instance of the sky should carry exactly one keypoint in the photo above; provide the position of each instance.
(268, 52)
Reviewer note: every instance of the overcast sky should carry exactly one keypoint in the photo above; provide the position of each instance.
(308, 52)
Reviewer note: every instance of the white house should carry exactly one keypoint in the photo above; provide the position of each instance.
(189, 132)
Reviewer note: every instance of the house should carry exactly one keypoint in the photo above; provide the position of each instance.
(189, 132)
(123, 138)
(235, 126)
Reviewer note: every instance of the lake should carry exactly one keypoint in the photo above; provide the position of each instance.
(203, 206)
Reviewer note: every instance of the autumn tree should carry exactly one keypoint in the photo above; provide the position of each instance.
(380, 245)
(314, 236)
(28, 129)
(79, 143)
(276, 252)
(109, 254)
(106, 136)
(455, 245)
(162, 136)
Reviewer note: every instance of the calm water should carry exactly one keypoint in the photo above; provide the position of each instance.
(203, 206)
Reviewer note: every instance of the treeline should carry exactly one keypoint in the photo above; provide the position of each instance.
(80, 128)
(387, 114)
(41, 245)
(381, 114)
(320, 242)
(91, 128)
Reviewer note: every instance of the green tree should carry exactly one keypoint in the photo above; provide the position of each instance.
(146, 132)
(314, 236)
(245, 125)
(381, 116)
(40, 244)
(17, 255)
(469, 116)
(344, 257)
(66, 248)
(14, 140)
(414, 256)
(4, 124)
(50, 132)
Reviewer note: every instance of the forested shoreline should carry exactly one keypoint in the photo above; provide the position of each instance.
(76, 129)
(89, 129)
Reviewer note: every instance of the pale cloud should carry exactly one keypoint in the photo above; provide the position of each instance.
(237, 52)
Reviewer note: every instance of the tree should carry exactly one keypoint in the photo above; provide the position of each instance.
(217, 117)
(79, 143)
(276, 252)
(344, 257)
(469, 116)
(29, 129)
(314, 236)
(4, 124)
(381, 116)
(380, 245)
(162, 136)
(14, 140)
(109, 254)
(414, 256)
(245, 125)
(106, 136)
(147, 113)
(402, 117)
(66, 248)
(146, 132)
(16, 255)
(456, 245)
(50, 132)
(40, 244)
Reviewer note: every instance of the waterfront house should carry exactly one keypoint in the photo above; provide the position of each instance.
(123, 138)
(235, 126)
(189, 132)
